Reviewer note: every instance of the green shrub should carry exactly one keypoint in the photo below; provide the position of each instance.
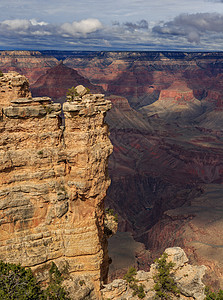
(48, 108)
(129, 276)
(137, 289)
(82, 282)
(71, 93)
(110, 212)
(1, 74)
(164, 282)
(212, 295)
(55, 291)
(18, 283)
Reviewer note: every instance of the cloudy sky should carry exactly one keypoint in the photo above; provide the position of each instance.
(187, 25)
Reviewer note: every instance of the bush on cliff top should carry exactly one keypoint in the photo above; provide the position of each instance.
(165, 286)
(19, 283)
(71, 93)
(138, 290)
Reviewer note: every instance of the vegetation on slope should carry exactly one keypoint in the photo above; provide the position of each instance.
(19, 283)
(165, 285)
(137, 289)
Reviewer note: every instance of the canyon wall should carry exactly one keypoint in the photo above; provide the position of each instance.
(29, 63)
(53, 182)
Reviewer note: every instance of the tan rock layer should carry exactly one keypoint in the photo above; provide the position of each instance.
(53, 182)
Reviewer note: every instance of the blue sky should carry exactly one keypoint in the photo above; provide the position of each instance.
(112, 25)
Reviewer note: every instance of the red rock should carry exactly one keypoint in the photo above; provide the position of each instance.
(32, 64)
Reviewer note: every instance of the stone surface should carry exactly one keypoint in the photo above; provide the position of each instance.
(187, 277)
(13, 86)
(52, 186)
(90, 105)
(81, 90)
(177, 256)
(80, 288)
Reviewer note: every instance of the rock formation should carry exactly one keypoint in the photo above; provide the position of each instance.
(53, 182)
(176, 102)
(187, 277)
(13, 86)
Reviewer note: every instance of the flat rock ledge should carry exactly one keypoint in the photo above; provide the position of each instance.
(88, 105)
(32, 108)
(187, 277)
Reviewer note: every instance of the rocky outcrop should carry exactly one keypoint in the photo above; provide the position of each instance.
(188, 279)
(13, 86)
(175, 103)
(53, 184)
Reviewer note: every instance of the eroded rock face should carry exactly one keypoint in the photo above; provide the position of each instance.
(52, 185)
(188, 279)
(13, 86)
(176, 102)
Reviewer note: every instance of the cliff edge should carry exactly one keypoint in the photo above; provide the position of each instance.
(53, 182)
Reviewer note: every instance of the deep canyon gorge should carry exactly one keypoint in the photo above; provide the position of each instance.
(165, 125)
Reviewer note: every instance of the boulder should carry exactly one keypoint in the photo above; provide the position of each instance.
(81, 90)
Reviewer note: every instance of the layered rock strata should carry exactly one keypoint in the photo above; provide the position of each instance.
(53, 182)
(29, 63)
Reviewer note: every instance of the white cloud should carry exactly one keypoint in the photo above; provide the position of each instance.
(82, 27)
(41, 33)
(21, 24)
(34, 22)
(16, 24)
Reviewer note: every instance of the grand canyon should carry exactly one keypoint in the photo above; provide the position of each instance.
(165, 125)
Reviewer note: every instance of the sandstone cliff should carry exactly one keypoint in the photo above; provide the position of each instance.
(53, 182)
